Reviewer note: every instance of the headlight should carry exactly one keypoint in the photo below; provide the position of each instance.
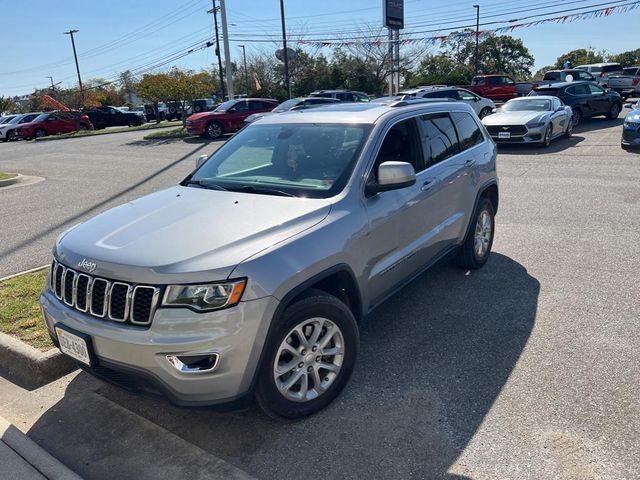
(205, 297)
(535, 124)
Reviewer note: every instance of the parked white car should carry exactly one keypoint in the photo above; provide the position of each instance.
(482, 106)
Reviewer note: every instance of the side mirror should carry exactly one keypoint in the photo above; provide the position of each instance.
(494, 110)
(392, 176)
(560, 108)
(628, 105)
(200, 160)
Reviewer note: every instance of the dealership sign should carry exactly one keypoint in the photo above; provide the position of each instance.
(393, 11)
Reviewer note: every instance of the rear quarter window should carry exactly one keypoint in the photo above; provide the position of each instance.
(469, 132)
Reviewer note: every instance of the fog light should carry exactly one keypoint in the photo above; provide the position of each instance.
(194, 363)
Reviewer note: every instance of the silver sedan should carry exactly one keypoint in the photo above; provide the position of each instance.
(536, 120)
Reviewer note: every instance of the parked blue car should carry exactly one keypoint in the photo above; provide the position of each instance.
(631, 128)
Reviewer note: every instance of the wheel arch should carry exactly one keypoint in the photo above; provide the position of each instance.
(489, 191)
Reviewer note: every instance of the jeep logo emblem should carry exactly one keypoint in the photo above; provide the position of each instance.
(87, 265)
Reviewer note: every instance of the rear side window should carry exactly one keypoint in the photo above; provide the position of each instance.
(544, 91)
(584, 76)
(439, 139)
(469, 132)
(495, 80)
(552, 76)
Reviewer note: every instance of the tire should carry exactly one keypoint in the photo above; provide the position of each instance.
(317, 314)
(470, 257)
(548, 137)
(197, 109)
(214, 130)
(39, 133)
(134, 123)
(82, 127)
(577, 117)
(11, 135)
(614, 111)
(484, 112)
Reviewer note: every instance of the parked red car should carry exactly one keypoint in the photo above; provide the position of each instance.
(52, 123)
(228, 117)
(494, 87)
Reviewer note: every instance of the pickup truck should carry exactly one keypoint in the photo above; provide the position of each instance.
(627, 84)
(493, 87)
(554, 76)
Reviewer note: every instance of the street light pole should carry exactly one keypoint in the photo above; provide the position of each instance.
(227, 53)
(286, 54)
(214, 10)
(477, 7)
(246, 75)
(75, 56)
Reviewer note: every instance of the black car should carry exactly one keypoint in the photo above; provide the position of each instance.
(103, 117)
(299, 103)
(203, 105)
(585, 98)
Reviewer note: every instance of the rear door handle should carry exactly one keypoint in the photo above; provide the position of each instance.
(428, 184)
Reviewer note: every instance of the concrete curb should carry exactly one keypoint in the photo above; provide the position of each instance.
(33, 454)
(31, 366)
(53, 137)
(10, 181)
(31, 270)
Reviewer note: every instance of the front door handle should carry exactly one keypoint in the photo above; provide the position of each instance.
(470, 162)
(428, 184)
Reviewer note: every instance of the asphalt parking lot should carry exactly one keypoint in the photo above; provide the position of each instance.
(527, 368)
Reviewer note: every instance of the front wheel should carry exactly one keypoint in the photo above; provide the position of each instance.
(548, 136)
(214, 130)
(577, 117)
(484, 112)
(475, 250)
(309, 358)
(614, 111)
(569, 131)
(40, 133)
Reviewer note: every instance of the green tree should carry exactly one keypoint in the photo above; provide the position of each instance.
(581, 56)
(186, 86)
(630, 58)
(540, 73)
(7, 104)
(440, 70)
(155, 88)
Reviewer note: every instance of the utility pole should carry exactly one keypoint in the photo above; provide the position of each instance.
(477, 7)
(52, 86)
(246, 75)
(214, 10)
(227, 54)
(75, 56)
(286, 53)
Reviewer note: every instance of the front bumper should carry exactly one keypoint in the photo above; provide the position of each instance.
(139, 353)
(196, 128)
(631, 135)
(517, 134)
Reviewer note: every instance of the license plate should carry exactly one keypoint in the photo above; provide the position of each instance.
(73, 345)
(504, 134)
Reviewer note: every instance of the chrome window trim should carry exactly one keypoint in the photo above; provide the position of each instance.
(154, 304)
(126, 302)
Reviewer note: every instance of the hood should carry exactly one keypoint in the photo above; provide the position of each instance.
(186, 234)
(202, 115)
(513, 118)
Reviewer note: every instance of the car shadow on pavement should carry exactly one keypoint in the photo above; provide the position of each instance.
(557, 146)
(433, 360)
(153, 142)
(598, 123)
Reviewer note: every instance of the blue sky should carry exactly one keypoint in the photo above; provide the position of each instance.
(119, 34)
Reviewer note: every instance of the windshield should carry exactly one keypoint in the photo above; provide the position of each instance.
(306, 160)
(7, 119)
(285, 106)
(40, 117)
(528, 105)
(226, 106)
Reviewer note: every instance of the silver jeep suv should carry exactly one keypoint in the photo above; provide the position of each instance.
(250, 277)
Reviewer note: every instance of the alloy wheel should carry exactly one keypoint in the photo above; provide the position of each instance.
(214, 130)
(482, 236)
(309, 359)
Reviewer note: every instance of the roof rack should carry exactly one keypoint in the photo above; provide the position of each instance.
(405, 101)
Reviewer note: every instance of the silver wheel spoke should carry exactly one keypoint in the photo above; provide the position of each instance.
(329, 366)
(317, 330)
(331, 351)
(301, 337)
(291, 381)
(317, 381)
(304, 386)
(324, 341)
(282, 369)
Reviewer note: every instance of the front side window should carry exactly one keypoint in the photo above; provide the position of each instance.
(469, 133)
(306, 160)
(556, 103)
(585, 76)
(224, 107)
(465, 96)
(594, 89)
(439, 139)
(401, 144)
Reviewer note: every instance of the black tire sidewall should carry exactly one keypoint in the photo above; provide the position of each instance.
(466, 256)
(610, 114)
(316, 304)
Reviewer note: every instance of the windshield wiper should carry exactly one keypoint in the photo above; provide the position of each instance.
(203, 184)
(263, 191)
